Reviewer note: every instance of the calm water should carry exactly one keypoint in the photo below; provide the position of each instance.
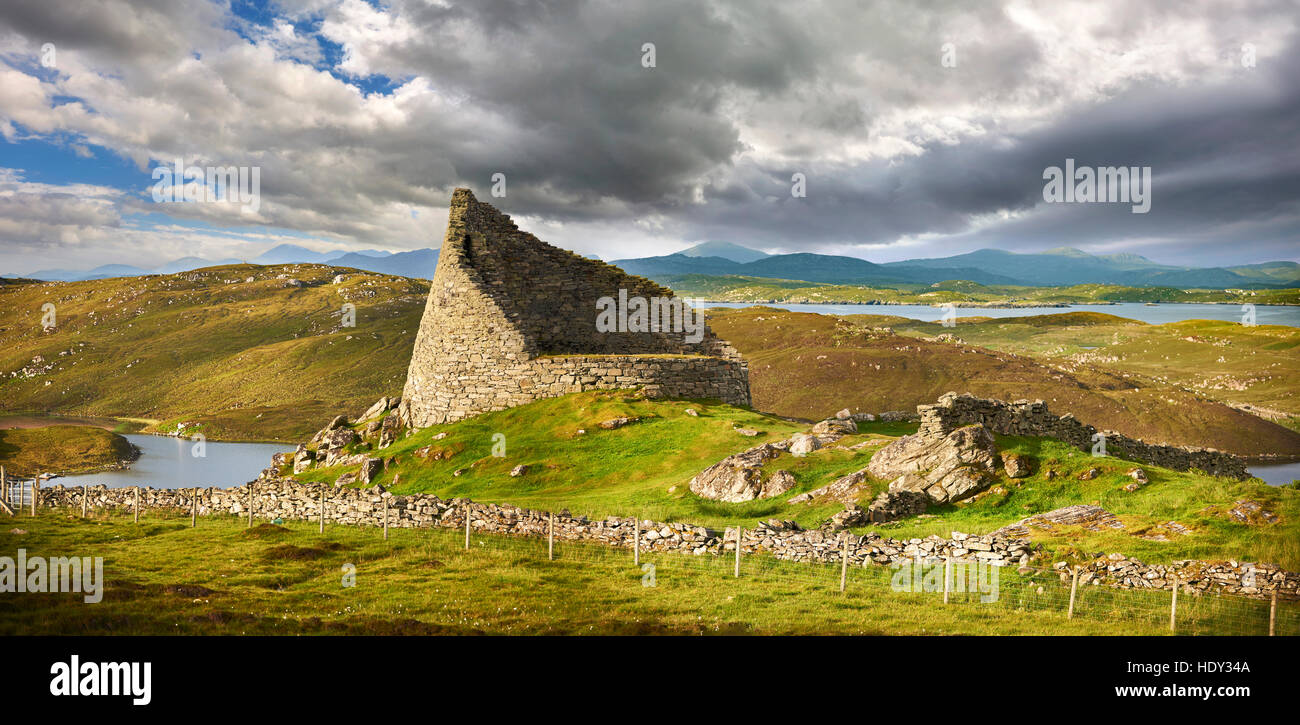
(169, 463)
(1153, 314)
(1277, 474)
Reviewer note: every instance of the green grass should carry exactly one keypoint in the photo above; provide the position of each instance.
(60, 449)
(643, 469)
(627, 471)
(164, 577)
(1196, 501)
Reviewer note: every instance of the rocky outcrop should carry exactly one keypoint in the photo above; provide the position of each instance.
(845, 489)
(333, 443)
(1017, 465)
(339, 421)
(802, 444)
(303, 458)
(835, 427)
(894, 505)
(370, 468)
(949, 468)
(390, 429)
(738, 478)
(380, 407)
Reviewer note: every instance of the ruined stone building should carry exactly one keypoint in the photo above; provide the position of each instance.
(511, 319)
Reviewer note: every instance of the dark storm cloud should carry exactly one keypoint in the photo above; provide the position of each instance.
(903, 156)
(590, 123)
(1225, 161)
(599, 138)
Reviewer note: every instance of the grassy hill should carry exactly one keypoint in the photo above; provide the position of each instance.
(61, 449)
(809, 366)
(751, 289)
(258, 353)
(249, 352)
(1221, 361)
(643, 469)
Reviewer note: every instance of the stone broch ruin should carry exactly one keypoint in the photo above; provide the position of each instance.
(511, 319)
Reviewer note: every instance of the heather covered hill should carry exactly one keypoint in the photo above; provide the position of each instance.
(259, 353)
(808, 366)
(1241, 366)
(249, 352)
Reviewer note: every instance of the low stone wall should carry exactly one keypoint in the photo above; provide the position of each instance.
(278, 498)
(1025, 418)
(659, 377)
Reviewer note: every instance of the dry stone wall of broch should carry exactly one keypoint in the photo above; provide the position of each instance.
(278, 498)
(1025, 418)
(511, 319)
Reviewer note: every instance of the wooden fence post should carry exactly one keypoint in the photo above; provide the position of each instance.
(468, 516)
(36, 491)
(739, 538)
(85, 497)
(636, 543)
(1173, 609)
(136, 506)
(385, 518)
(1074, 587)
(1272, 614)
(251, 484)
(550, 537)
(194, 508)
(322, 509)
(844, 565)
(947, 577)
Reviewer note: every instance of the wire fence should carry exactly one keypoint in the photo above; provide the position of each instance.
(914, 585)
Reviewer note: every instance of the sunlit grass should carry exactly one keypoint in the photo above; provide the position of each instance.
(221, 578)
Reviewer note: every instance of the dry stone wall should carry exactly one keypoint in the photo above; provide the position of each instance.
(277, 498)
(1025, 418)
(511, 319)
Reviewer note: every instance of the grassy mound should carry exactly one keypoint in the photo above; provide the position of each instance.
(643, 468)
(61, 449)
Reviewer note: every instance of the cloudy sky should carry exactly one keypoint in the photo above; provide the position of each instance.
(922, 128)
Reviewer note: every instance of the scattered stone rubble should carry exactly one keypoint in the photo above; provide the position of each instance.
(1027, 418)
(1092, 518)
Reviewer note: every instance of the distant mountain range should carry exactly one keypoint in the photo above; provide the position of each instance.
(1063, 266)
(416, 263)
(726, 250)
